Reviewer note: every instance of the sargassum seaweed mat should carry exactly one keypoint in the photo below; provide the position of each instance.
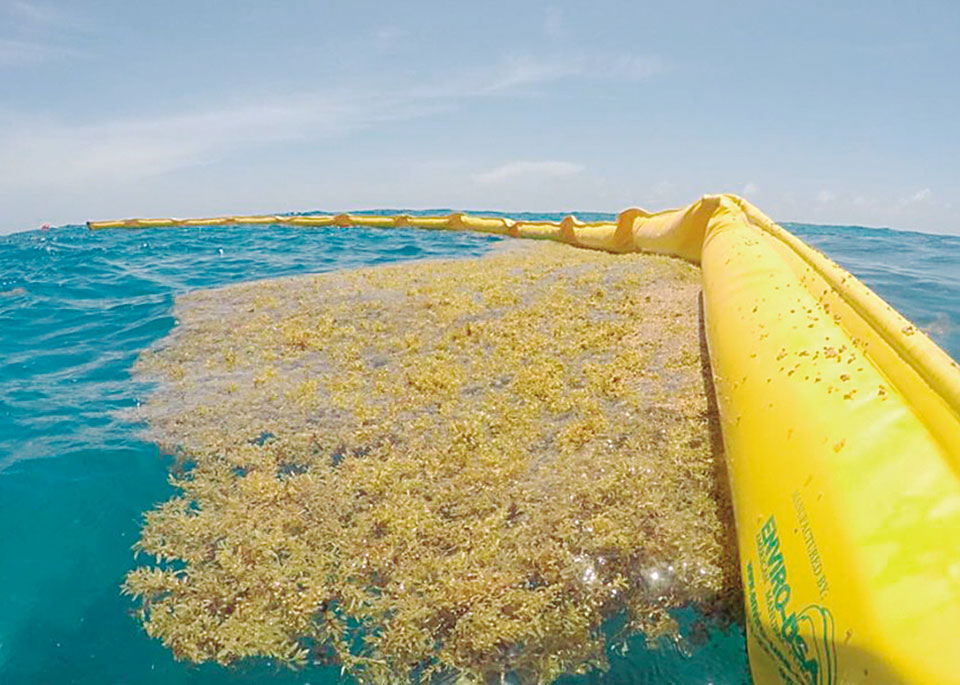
(462, 468)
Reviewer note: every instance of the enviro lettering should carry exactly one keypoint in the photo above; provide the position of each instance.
(812, 650)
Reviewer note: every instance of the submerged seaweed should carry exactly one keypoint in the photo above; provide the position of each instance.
(458, 467)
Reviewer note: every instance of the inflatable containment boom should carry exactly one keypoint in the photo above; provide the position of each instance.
(841, 423)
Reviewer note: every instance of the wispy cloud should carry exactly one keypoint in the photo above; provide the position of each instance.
(521, 70)
(514, 73)
(749, 189)
(527, 169)
(922, 195)
(826, 196)
(37, 13)
(35, 33)
(51, 154)
(23, 52)
(38, 153)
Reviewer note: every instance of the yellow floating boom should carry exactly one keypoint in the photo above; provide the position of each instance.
(841, 423)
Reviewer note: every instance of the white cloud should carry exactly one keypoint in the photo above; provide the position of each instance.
(527, 169)
(826, 196)
(749, 188)
(922, 195)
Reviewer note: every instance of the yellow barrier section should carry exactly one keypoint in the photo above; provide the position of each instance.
(841, 423)
(254, 220)
(456, 221)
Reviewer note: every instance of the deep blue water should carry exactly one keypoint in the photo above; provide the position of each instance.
(76, 307)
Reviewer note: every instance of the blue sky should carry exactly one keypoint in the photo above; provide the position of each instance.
(828, 112)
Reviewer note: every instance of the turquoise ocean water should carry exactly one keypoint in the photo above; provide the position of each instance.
(76, 307)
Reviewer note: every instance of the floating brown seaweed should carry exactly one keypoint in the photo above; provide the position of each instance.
(454, 467)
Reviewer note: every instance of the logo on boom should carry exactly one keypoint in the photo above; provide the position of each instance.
(806, 634)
